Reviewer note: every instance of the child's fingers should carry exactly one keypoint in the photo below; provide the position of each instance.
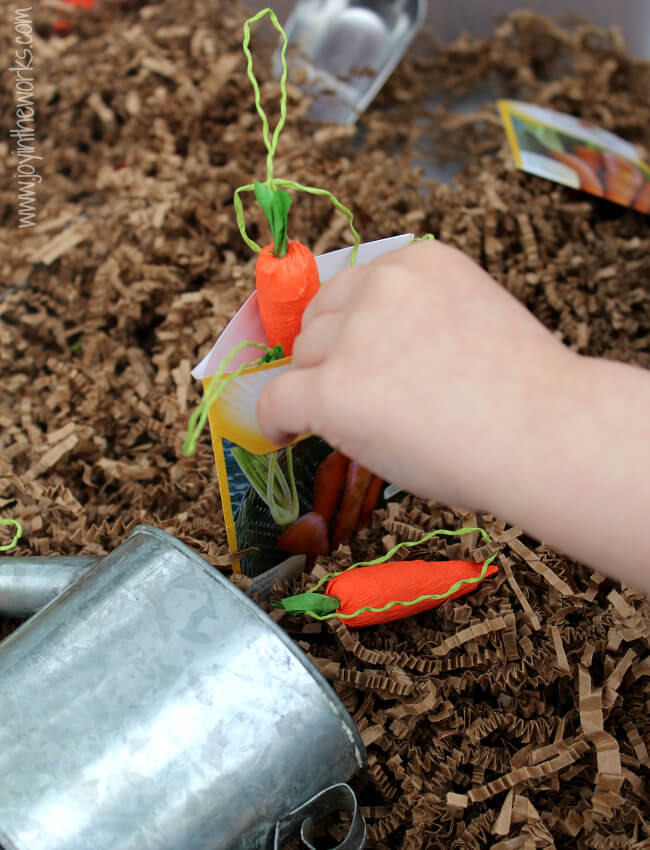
(284, 406)
(425, 257)
(334, 294)
(313, 343)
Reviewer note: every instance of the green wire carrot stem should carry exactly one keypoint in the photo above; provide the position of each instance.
(271, 140)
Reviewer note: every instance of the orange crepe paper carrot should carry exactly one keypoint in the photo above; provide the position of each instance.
(285, 285)
(373, 592)
(62, 26)
(286, 274)
(391, 591)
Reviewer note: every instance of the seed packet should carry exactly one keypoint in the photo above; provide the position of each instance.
(576, 153)
(273, 507)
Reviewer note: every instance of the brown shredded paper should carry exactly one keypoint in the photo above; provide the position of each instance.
(516, 717)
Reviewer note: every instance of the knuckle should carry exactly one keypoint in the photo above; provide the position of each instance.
(392, 281)
(380, 281)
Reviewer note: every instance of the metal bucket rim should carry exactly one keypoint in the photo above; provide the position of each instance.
(256, 611)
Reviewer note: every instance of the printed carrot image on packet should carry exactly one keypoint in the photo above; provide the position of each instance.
(326, 492)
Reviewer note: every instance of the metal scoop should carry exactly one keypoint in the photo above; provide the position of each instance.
(348, 48)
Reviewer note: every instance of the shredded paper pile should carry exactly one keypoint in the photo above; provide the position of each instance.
(514, 718)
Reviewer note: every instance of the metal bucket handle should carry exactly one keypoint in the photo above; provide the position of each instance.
(301, 820)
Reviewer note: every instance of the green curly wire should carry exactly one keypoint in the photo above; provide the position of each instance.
(19, 533)
(239, 215)
(218, 384)
(271, 141)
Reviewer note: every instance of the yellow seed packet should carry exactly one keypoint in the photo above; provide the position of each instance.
(267, 491)
(576, 153)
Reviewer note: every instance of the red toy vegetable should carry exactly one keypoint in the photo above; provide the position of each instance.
(62, 26)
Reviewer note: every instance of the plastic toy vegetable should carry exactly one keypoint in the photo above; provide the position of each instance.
(380, 591)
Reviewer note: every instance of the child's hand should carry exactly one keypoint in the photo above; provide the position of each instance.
(426, 371)
(419, 366)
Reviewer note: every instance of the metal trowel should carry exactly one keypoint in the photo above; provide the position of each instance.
(346, 49)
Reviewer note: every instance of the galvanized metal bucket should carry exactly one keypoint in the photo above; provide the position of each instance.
(152, 706)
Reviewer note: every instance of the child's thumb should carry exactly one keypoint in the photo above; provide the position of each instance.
(283, 409)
